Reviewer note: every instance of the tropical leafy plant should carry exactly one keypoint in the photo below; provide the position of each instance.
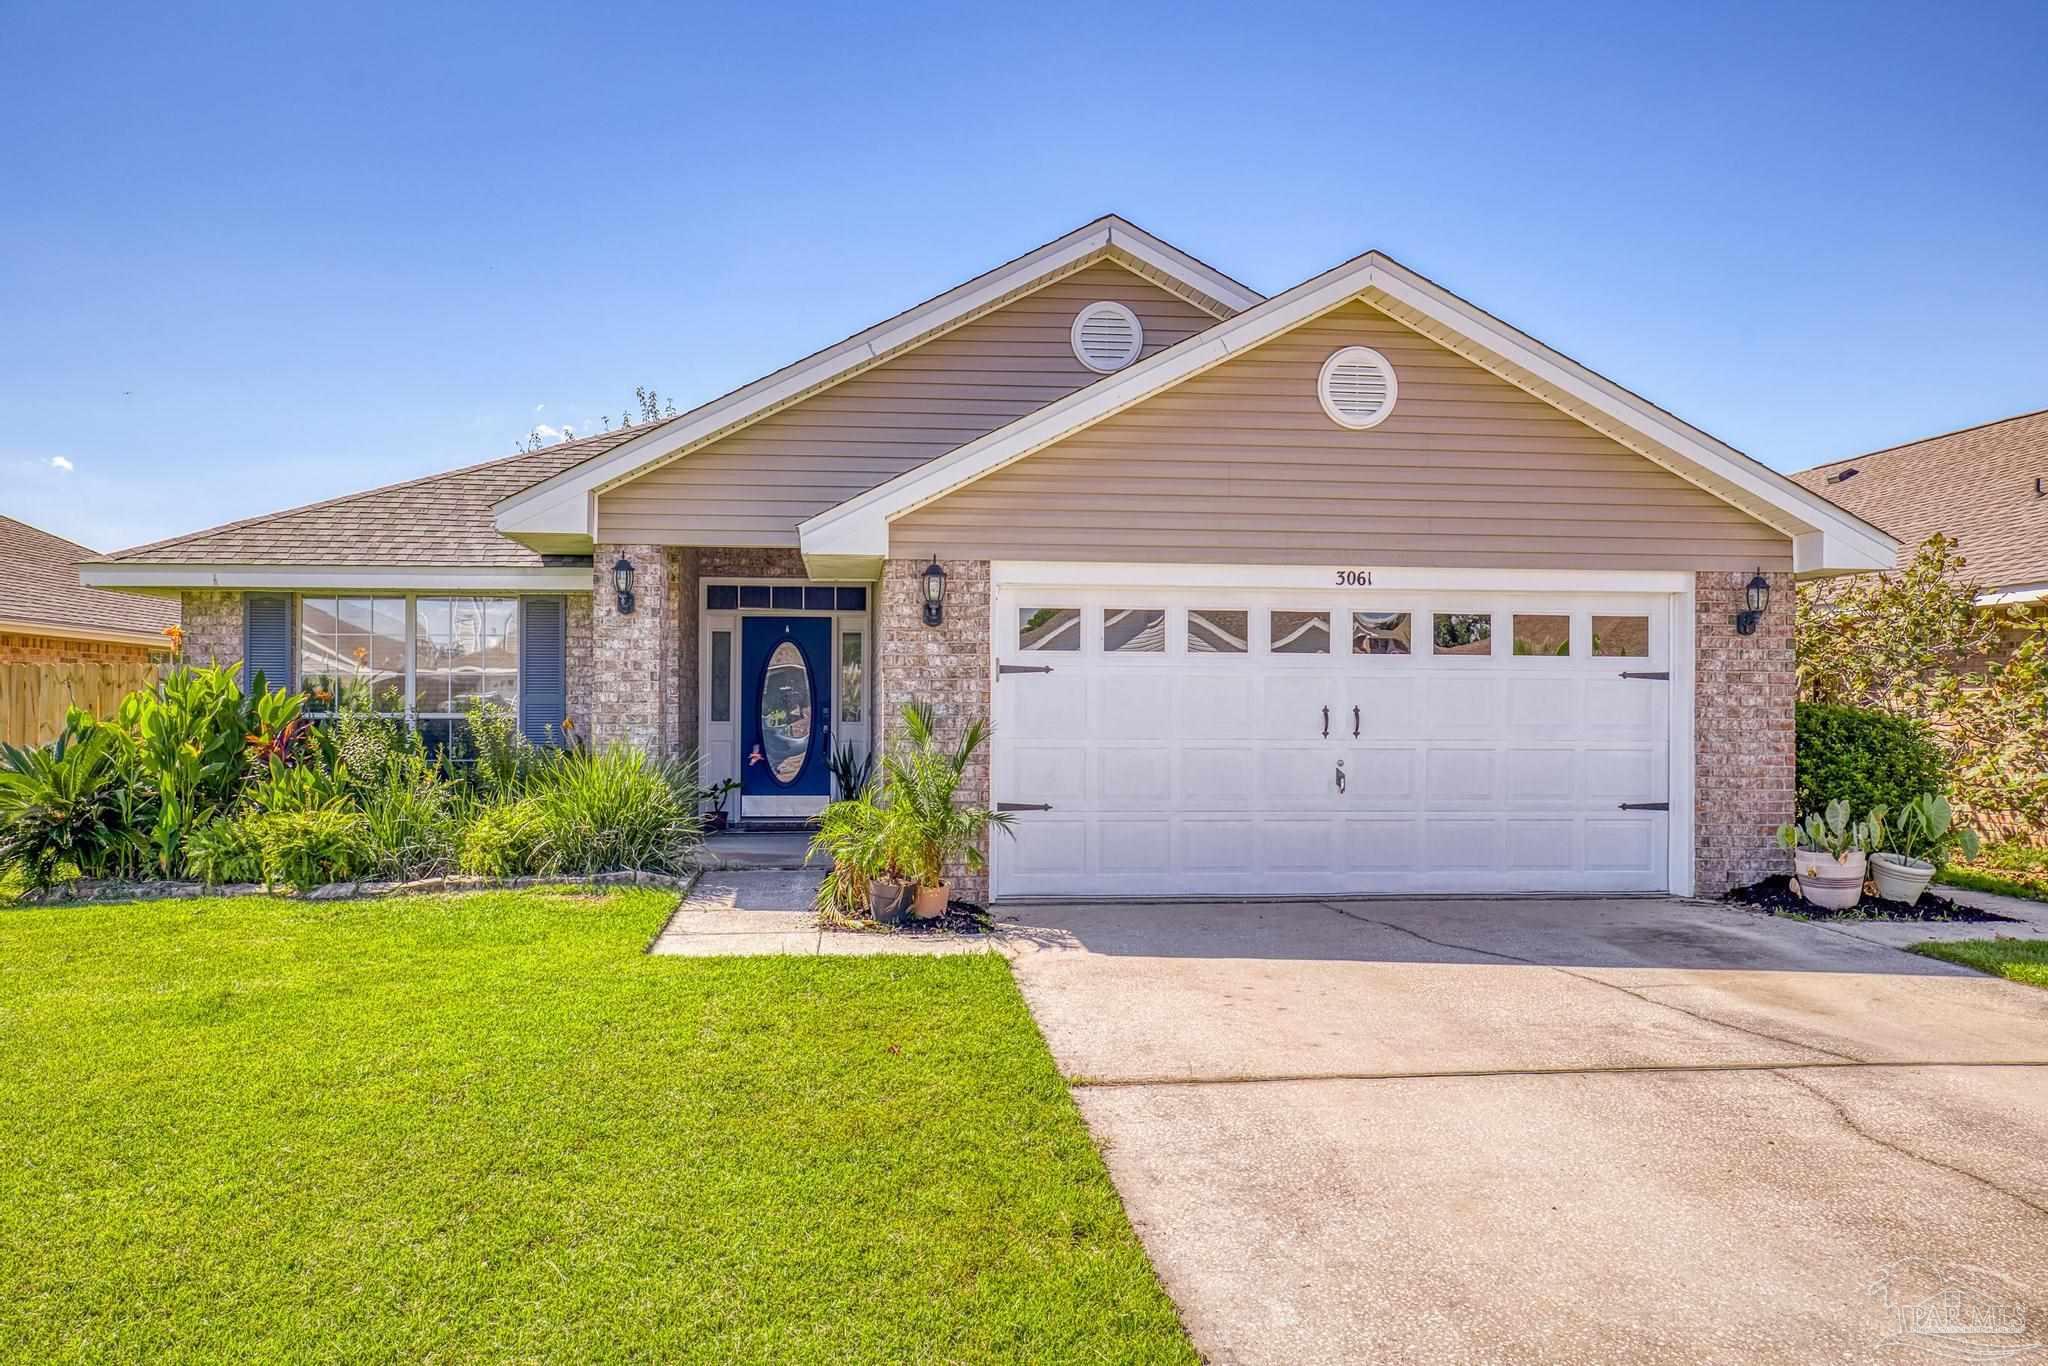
(189, 737)
(306, 786)
(304, 849)
(225, 850)
(1831, 832)
(1924, 830)
(61, 808)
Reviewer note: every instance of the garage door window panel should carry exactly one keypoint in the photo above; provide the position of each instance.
(1300, 633)
(1542, 635)
(1381, 633)
(1217, 631)
(1134, 630)
(1621, 637)
(1462, 634)
(1049, 628)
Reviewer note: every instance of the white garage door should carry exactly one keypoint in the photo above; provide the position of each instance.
(1302, 742)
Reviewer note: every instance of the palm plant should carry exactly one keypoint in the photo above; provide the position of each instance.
(64, 807)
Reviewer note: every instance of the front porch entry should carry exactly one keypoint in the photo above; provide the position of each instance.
(785, 683)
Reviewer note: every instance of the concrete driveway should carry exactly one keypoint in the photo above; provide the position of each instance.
(1540, 1130)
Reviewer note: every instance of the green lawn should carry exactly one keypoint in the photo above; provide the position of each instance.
(2008, 869)
(488, 1127)
(2023, 960)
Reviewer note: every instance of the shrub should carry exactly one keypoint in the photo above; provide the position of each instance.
(503, 758)
(189, 737)
(1866, 758)
(504, 840)
(615, 809)
(225, 850)
(307, 849)
(65, 808)
(411, 820)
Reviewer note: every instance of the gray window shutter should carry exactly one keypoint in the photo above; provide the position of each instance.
(543, 668)
(267, 639)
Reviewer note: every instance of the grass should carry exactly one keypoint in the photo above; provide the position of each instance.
(489, 1127)
(2009, 869)
(2021, 960)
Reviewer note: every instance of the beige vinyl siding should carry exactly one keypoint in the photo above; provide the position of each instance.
(753, 487)
(1241, 465)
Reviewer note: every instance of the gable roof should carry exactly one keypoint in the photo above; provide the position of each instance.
(441, 521)
(558, 512)
(39, 590)
(853, 537)
(1978, 486)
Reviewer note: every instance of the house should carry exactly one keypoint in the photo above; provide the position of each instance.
(1984, 487)
(48, 617)
(1352, 589)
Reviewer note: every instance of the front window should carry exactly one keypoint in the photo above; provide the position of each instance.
(462, 651)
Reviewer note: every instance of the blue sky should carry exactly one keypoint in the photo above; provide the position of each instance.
(251, 258)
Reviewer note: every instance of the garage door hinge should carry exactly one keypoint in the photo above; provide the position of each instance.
(1646, 806)
(1023, 806)
(1003, 669)
(1657, 677)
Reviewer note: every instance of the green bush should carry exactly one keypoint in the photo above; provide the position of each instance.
(1866, 758)
(308, 849)
(189, 740)
(412, 820)
(504, 840)
(615, 809)
(227, 849)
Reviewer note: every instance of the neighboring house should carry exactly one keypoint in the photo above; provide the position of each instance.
(1984, 487)
(1353, 589)
(48, 617)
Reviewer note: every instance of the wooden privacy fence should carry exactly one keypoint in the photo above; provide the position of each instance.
(34, 697)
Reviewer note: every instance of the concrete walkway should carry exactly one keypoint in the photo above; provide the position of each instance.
(768, 911)
(1599, 1130)
(2029, 921)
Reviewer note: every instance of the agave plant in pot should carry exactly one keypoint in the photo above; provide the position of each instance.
(1907, 848)
(1828, 856)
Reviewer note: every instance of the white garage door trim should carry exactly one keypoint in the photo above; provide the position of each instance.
(1577, 593)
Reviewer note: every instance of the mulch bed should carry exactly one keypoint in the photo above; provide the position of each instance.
(1775, 896)
(961, 917)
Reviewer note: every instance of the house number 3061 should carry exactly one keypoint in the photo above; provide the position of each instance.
(1354, 578)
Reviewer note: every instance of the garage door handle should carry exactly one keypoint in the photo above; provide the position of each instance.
(1023, 806)
(1354, 723)
(1646, 806)
(1326, 723)
(1648, 677)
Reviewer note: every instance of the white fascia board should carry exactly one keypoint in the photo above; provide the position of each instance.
(1844, 543)
(2020, 592)
(307, 578)
(1173, 262)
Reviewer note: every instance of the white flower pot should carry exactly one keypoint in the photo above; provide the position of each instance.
(1900, 878)
(1834, 884)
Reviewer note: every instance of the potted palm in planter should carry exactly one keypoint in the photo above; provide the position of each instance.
(1908, 847)
(895, 840)
(1828, 856)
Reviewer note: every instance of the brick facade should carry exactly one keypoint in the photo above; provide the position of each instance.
(633, 657)
(19, 648)
(1743, 693)
(947, 666)
(577, 633)
(213, 627)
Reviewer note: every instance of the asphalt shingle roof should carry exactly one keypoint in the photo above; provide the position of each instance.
(1977, 486)
(443, 519)
(39, 585)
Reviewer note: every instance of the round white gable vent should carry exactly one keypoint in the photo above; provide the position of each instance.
(1357, 387)
(1107, 336)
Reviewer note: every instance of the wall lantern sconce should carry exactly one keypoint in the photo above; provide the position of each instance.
(622, 583)
(934, 593)
(1759, 599)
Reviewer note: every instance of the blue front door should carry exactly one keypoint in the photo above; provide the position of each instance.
(786, 693)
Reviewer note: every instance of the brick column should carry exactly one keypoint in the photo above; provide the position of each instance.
(634, 658)
(947, 666)
(213, 627)
(1744, 688)
(582, 666)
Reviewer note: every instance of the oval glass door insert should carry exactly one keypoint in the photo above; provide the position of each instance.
(786, 712)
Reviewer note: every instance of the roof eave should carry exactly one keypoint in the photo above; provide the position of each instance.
(145, 576)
